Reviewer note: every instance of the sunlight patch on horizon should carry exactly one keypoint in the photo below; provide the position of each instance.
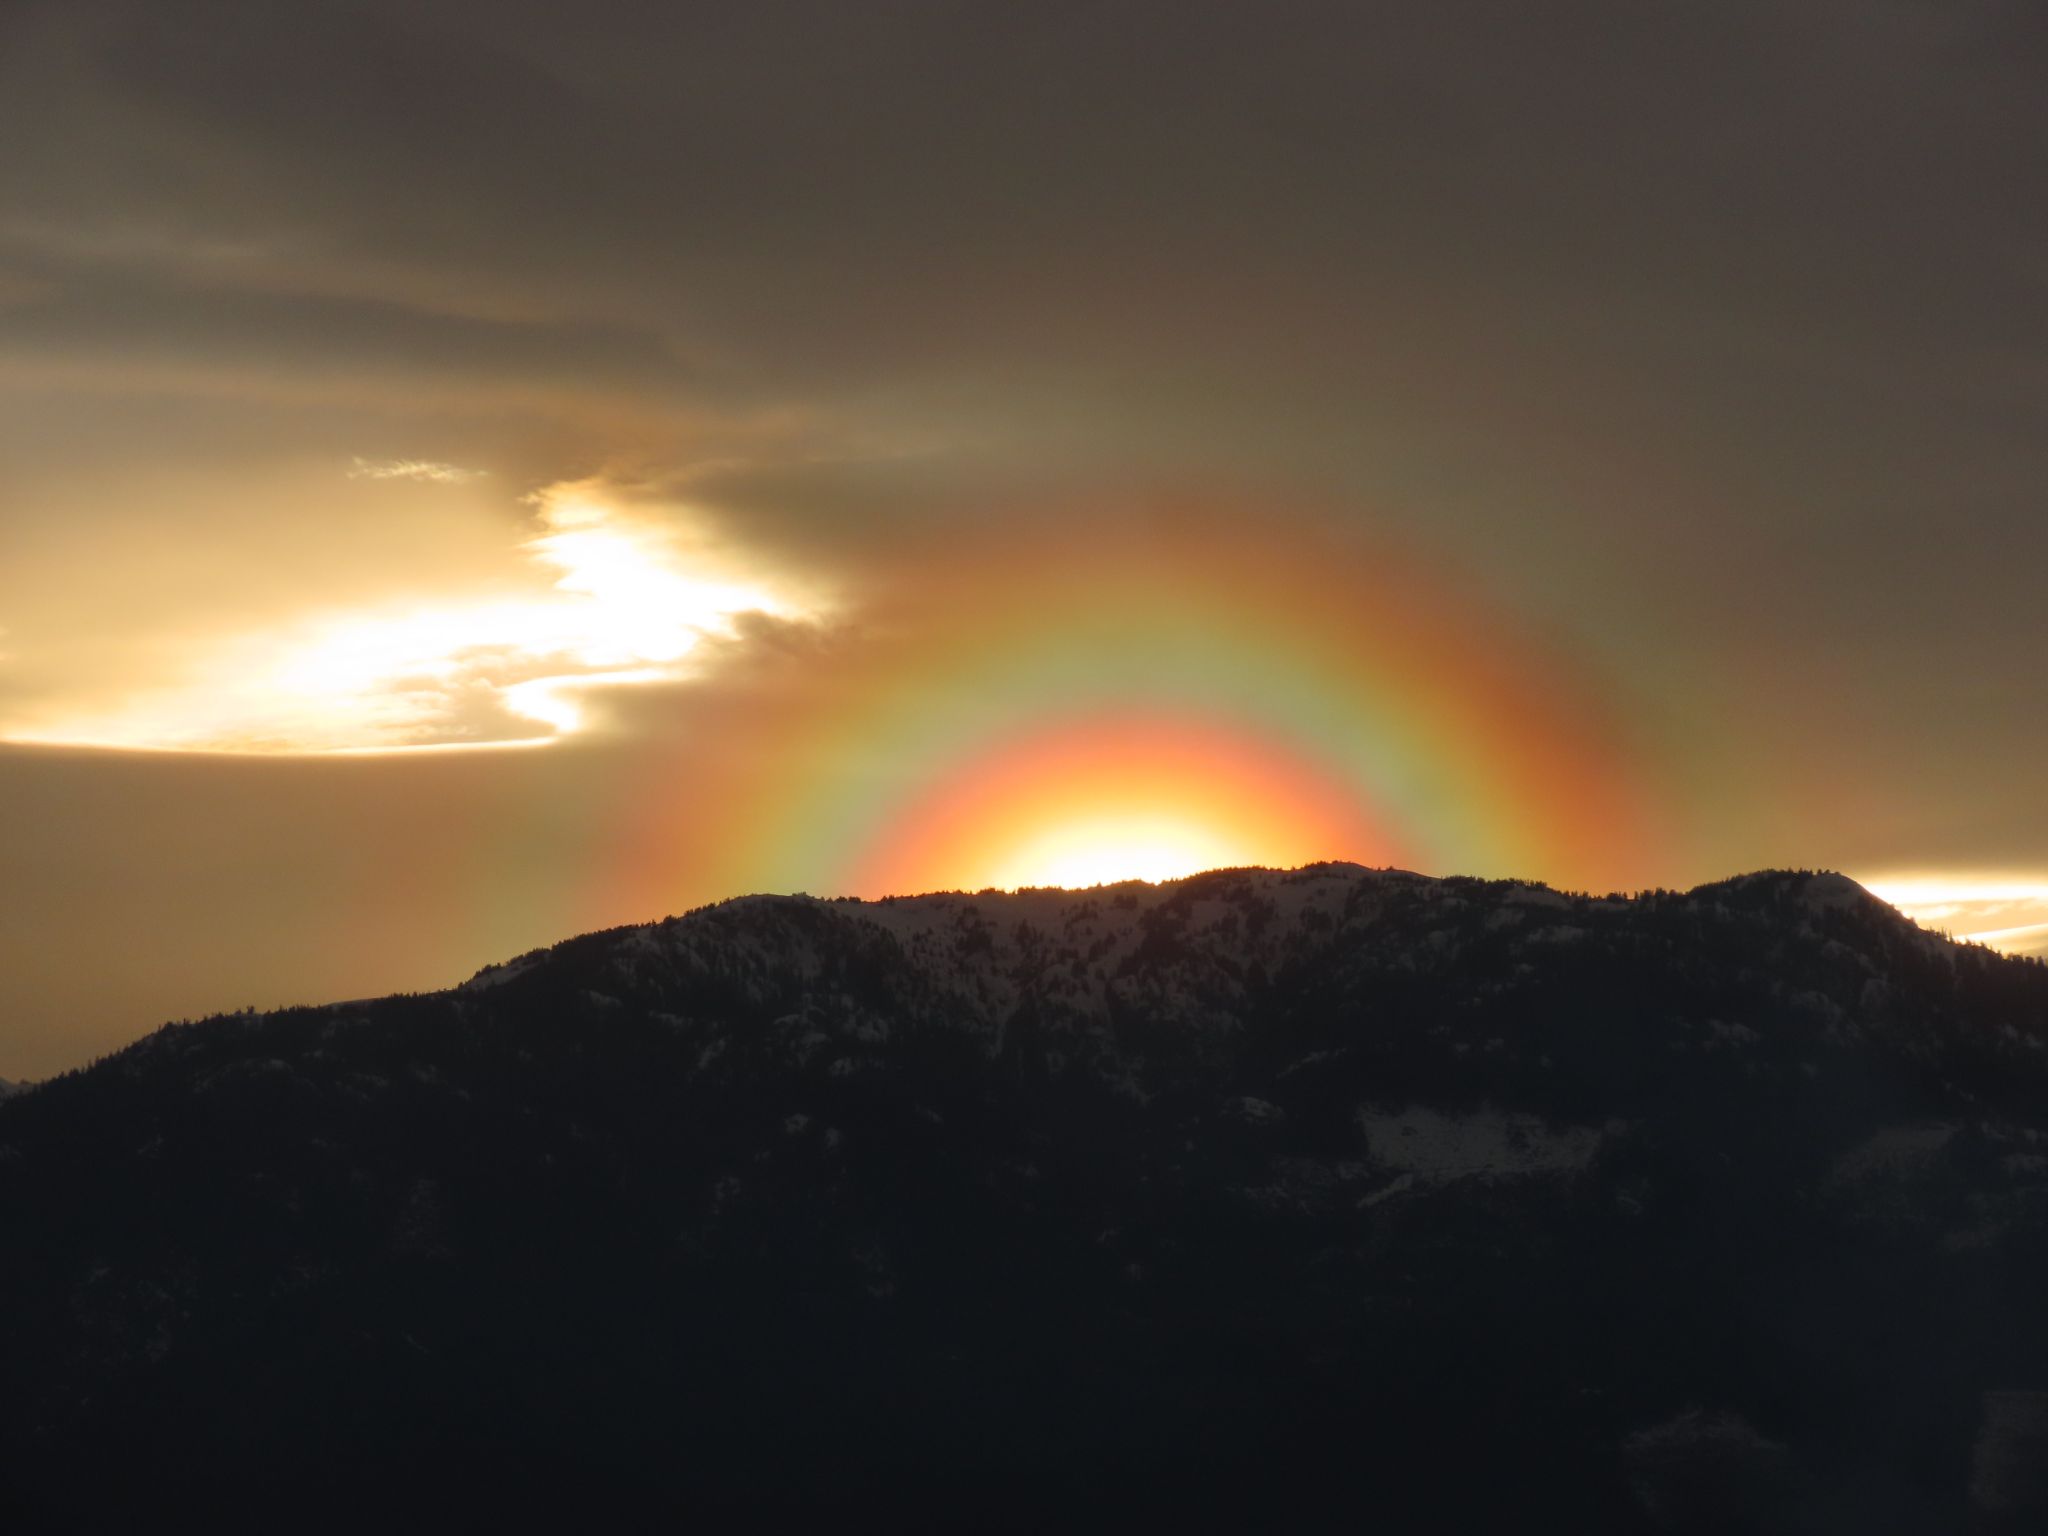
(622, 605)
(2006, 912)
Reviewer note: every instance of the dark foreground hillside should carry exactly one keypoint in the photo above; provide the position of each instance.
(1330, 1199)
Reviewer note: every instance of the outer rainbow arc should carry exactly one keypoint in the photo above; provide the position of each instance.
(1406, 723)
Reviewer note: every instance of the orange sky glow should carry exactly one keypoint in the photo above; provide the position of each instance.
(1103, 800)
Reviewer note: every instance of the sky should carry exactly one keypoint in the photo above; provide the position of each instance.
(472, 473)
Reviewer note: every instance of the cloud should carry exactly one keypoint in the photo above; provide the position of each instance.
(361, 468)
(1702, 340)
(618, 595)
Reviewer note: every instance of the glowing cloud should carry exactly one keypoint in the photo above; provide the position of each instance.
(627, 604)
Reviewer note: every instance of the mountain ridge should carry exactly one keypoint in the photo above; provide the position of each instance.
(1256, 1193)
(1838, 888)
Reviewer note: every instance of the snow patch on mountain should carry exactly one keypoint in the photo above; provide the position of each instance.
(1893, 1151)
(1438, 1148)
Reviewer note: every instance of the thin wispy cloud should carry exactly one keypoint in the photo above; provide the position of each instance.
(431, 470)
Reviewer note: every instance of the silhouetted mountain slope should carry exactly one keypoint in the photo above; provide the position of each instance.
(1336, 1197)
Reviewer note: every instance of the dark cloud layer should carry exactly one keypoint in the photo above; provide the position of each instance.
(1713, 337)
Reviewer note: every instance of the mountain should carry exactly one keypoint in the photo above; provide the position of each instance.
(1280, 1199)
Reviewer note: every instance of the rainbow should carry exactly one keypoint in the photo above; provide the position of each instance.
(1289, 698)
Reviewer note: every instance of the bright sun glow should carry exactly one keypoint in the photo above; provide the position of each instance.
(2004, 911)
(1101, 849)
(1102, 798)
(622, 607)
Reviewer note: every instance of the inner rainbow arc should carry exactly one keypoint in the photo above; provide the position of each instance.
(1006, 716)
